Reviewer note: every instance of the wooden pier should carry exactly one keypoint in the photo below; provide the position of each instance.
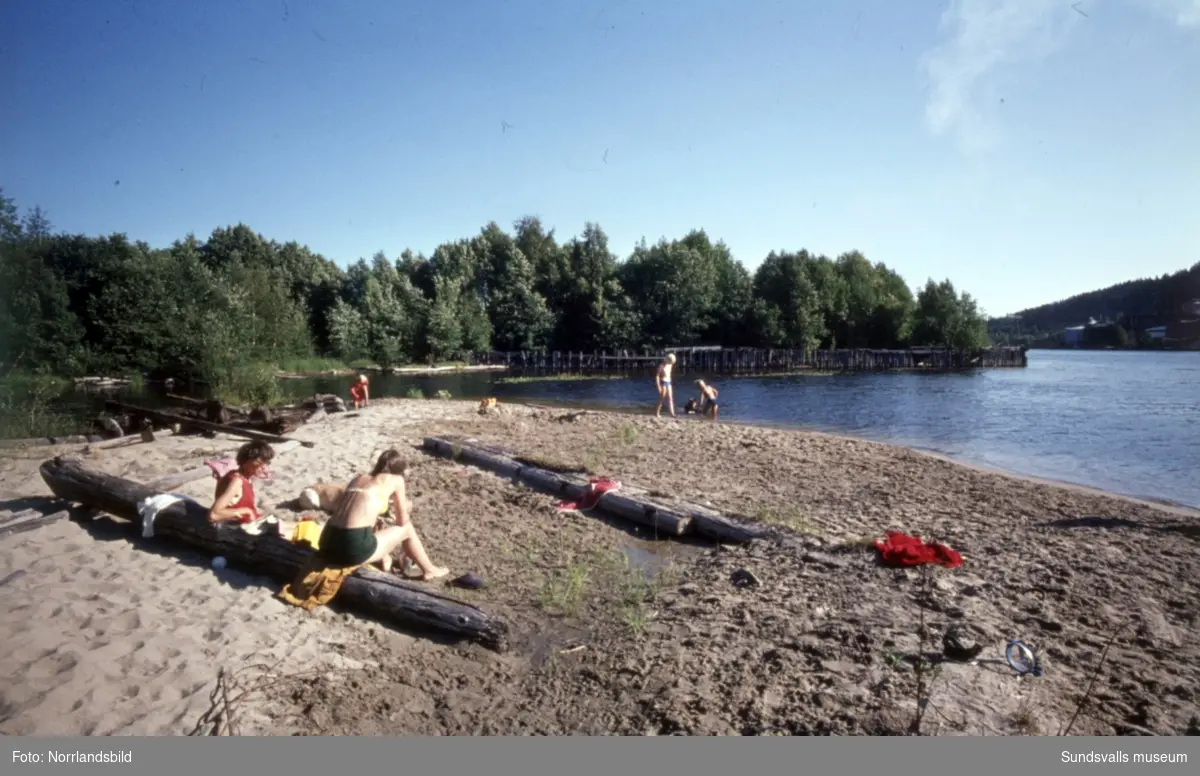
(754, 361)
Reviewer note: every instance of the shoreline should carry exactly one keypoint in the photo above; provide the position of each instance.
(641, 409)
(1181, 508)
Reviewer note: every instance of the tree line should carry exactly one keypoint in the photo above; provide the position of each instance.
(71, 303)
(1124, 310)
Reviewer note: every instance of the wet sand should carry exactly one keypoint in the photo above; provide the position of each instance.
(614, 632)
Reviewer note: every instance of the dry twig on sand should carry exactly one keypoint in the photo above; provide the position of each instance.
(1087, 694)
(924, 641)
(234, 691)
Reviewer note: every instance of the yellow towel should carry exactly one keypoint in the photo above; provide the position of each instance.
(307, 531)
(316, 584)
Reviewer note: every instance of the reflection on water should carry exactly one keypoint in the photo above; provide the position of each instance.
(651, 557)
(1123, 421)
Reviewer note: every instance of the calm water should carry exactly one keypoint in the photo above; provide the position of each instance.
(1127, 422)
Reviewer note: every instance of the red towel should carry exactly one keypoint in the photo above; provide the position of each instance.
(597, 487)
(901, 550)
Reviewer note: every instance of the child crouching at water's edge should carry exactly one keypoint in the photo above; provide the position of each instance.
(234, 500)
(708, 399)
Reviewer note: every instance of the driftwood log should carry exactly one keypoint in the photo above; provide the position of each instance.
(673, 518)
(212, 410)
(384, 596)
(279, 420)
(664, 520)
(713, 525)
(266, 423)
(73, 439)
(328, 401)
(206, 404)
(29, 514)
(166, 419)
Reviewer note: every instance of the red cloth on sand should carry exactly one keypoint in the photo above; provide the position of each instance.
(597, 487)
(901, 550)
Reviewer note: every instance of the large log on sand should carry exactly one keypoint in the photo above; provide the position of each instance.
(713, 525)
(384, 596)
(677, 518)
(497, 464)
(664, 520)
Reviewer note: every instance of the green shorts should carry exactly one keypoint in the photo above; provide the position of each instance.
(347, 546)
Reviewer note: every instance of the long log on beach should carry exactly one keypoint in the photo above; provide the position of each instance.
(73, 439)
(718, 527)
(279, 425)
(169, 418)
(384, 596)
(498, 464)
(213, 409)
(663, 520)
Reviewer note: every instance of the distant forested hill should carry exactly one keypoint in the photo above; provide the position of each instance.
(1134, 305)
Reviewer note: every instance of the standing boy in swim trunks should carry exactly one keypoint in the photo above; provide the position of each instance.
(662, 379)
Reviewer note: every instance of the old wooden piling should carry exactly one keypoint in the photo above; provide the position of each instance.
(754, 361)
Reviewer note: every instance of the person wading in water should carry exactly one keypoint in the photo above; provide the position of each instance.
(708, 399)
(662, 379)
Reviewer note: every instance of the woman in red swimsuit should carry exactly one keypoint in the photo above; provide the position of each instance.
(235, 494)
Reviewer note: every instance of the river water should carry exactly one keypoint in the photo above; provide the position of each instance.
(1124, 421)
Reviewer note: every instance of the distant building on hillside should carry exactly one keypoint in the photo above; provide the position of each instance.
(1192, 309)
(1141, 321)
(1073, 336)
(1156, 333)
(1183, 332)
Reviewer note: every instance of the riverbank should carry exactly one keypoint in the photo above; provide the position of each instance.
(116, 637)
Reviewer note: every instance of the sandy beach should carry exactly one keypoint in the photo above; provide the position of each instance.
(614, 632)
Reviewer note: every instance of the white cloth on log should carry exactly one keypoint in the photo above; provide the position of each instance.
(149, 508)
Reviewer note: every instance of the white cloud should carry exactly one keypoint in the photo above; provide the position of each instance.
(1186, 13)
(985, 40)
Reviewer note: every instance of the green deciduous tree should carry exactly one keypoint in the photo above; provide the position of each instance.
(791, 309)
(946, 318)
(208, 307)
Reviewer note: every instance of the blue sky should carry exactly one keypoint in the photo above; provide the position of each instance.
(1027, 149)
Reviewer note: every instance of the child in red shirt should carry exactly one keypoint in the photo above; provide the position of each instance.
(360, 392)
